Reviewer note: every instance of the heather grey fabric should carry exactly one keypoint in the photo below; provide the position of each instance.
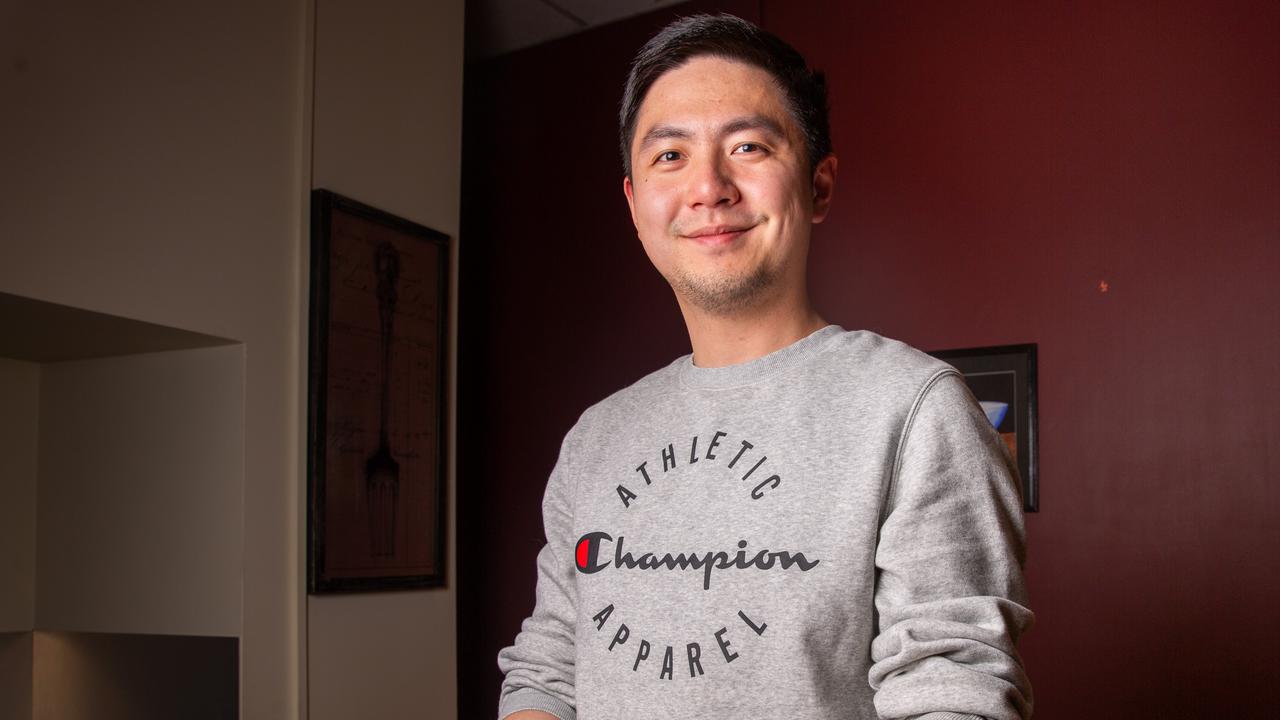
(830, 531)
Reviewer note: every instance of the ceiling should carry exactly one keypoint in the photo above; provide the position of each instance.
(495, 27)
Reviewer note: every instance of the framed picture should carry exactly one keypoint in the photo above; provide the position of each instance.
(1003, 379)
(375, 465)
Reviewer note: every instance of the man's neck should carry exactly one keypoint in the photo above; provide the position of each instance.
(720, 340)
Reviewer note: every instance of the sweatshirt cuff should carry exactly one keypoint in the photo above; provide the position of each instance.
(528, 698)
(946, 716)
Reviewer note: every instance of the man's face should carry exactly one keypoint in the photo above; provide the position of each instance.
(720, 190)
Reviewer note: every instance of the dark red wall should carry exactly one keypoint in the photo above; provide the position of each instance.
(1100, 178)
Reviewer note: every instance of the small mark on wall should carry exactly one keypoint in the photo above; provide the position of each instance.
(1103, 286)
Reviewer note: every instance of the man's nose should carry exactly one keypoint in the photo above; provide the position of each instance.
(711, 183)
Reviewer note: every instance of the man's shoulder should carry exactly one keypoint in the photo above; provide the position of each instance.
(867, 357)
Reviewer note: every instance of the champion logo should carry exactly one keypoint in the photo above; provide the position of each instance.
(587, 558)
(718, 457)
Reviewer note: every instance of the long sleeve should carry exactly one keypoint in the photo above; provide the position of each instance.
(539, 667)
(950, 594)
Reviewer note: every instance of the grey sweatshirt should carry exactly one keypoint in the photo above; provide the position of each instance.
(830, 531)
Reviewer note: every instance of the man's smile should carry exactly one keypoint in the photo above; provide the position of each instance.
(716, 235)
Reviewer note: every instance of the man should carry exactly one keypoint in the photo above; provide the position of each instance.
(795, 521)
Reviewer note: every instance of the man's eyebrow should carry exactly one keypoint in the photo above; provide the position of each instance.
(753, 122)
(763, 123)
(663, 132)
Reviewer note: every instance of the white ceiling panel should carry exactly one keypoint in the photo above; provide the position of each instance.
(598, 12)
(496, 27)
(502, 26)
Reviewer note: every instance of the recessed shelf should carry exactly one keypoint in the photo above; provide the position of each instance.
(39, 331)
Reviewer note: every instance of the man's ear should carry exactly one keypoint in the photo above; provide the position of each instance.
(824, 185)
(631, 201)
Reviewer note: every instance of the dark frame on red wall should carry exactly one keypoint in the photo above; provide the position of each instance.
(376, 410)
(1005, 375)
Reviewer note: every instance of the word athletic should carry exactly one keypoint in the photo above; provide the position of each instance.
(587, 558)
(738, 458)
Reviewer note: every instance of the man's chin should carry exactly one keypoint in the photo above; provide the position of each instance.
(724, 296)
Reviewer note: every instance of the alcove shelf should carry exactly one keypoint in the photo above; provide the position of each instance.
(121, 516)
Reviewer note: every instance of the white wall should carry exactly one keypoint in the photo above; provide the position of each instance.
(139, 519)
(19, 412)
(388, 124)
(156, 166)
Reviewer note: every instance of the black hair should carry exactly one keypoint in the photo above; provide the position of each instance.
(732, 38)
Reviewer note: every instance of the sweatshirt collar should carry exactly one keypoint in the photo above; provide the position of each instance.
(755, 370)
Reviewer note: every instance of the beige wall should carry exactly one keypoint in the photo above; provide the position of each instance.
(139, 518)
(388, 118)
(155, 167)
(158, 158)
(19, 413)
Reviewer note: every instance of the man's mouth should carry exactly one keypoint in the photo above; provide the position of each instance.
(716, 235)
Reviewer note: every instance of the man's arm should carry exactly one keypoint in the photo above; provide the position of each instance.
(531, 715)
(539, 666)
(949, 590)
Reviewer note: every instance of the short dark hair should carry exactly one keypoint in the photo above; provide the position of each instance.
(732, 38)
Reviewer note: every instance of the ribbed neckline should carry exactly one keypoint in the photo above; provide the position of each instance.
(754, 370)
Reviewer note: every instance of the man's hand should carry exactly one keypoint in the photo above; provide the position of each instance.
(530, 715)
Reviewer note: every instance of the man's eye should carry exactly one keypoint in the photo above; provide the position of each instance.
(748, 148)
(668, 156)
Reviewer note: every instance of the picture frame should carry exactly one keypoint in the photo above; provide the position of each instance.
(376, 399)
(1005, 375)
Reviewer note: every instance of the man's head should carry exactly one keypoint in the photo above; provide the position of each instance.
(731, 38)
(725, 176)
